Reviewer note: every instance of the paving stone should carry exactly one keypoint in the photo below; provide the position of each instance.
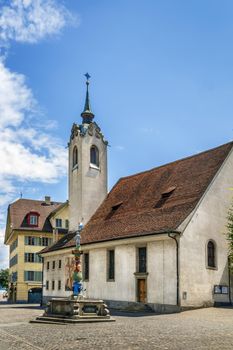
(203, 329)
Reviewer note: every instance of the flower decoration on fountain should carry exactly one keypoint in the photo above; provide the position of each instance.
(77, 274)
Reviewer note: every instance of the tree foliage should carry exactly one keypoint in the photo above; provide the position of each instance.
(4, 277)
(230, 234)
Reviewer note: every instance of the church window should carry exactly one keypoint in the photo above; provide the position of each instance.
(142, 260)
(94, 155)
(75, 156)
(86, 266)
(111, 265)
(211, 254)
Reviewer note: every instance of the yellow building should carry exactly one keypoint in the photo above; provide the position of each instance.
(31, 225)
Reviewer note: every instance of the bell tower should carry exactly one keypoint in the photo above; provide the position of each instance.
(87, 166)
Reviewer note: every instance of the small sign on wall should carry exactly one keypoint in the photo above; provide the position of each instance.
(218, 289)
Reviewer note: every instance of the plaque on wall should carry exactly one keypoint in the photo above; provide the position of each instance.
(90, 309)
(224, 290)
(218, 289)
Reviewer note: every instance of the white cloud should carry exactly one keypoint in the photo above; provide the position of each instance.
(32, 20)
(15, 97)
(119, 148)
(3, 252)
(29, 152)
(34, 155)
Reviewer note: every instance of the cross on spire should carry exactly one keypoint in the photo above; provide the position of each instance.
(87, 76)
(87, 114)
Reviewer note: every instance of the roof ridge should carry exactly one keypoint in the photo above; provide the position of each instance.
(35, 200)
(175, 161)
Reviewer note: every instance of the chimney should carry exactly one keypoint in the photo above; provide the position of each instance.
(47, 200)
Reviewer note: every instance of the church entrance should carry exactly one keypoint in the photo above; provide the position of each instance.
(141, 290)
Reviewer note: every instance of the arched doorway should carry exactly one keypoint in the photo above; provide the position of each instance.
(34, 295)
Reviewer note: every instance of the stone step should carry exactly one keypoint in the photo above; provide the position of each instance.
(47, 322)
(62, 320)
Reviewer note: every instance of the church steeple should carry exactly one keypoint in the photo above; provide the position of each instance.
(87, 114)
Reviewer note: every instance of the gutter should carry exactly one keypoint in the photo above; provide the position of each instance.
(103, 241)
(177, 265)
(162, 232)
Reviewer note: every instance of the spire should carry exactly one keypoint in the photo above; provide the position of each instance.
(87, 114)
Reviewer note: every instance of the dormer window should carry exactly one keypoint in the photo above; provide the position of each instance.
(113, 210)
(94, 156)
(165, 196)
(33, 219)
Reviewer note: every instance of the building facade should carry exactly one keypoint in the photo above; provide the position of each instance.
(87, 167)
(87, 184)
(158, 239)
(31, 225)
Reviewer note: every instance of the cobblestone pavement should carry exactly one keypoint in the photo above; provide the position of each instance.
(202, 329)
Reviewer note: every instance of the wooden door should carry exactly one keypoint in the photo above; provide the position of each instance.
(142, 290)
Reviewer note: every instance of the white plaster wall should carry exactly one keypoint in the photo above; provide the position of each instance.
(161, 282)
(56, 275)
(123, 288)
(87, 184)
(161, 267)
(208, 222)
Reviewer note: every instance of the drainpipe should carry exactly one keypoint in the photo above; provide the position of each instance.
(41, 302)
(177, 266)
(229, 280)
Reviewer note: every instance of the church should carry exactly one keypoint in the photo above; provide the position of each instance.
(157, 240)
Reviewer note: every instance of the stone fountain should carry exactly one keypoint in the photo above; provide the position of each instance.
(77, 308)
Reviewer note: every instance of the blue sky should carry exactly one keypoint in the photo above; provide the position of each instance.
(161, 85)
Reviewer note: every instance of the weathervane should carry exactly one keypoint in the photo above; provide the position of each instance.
(87, 76)
(87, 114)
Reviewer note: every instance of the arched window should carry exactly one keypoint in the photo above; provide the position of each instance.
(75, 156)
(94, 155)
(211, 254)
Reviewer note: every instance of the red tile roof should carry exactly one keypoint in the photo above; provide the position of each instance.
(154, 201)
(19, 210)
(61, 243)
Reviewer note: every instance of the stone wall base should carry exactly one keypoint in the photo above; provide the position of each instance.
(164, 308)
(137, 307)
(205, 305)
(149, 307)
